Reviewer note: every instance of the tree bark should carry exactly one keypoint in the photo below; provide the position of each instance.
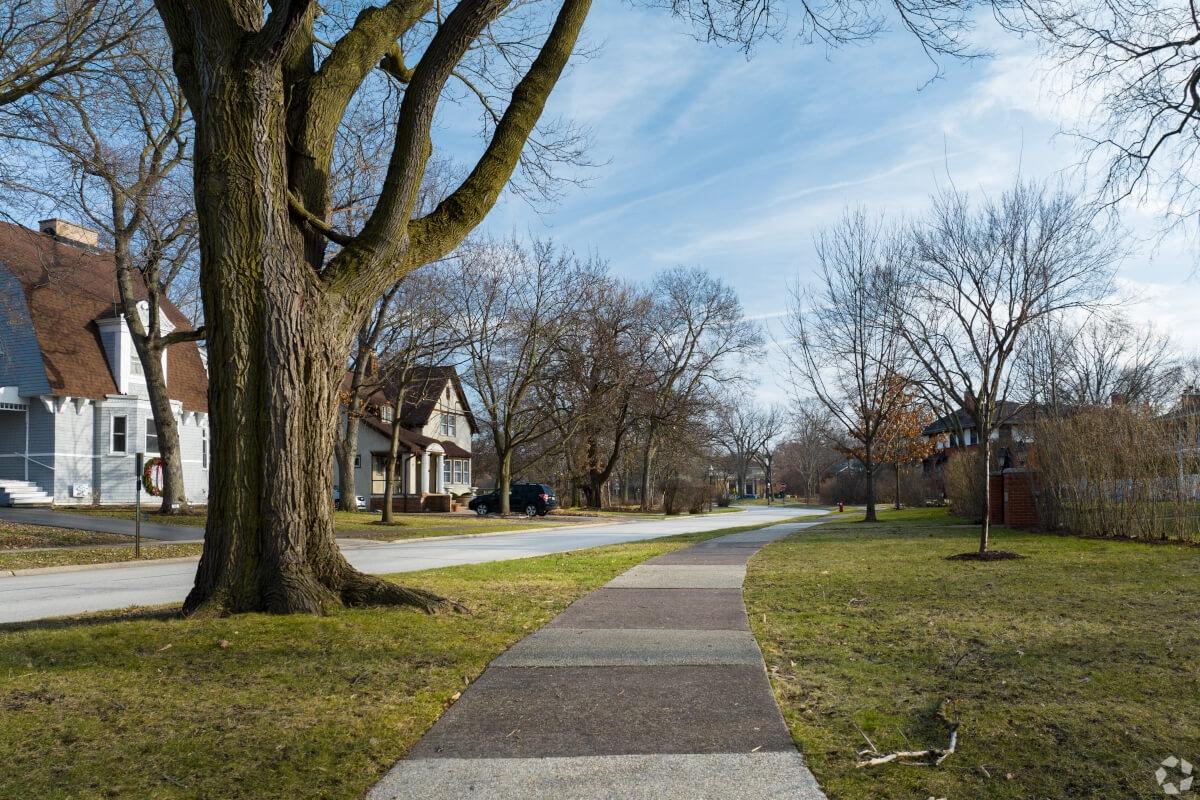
(869, 464)
(985, 459)
(346, 450)
(174, 495)
(281, 338)
(896, 466)
(389, 475)
(647, 461)
(503, 478)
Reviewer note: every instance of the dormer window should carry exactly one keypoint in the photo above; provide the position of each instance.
(387, 413)
(449, 424)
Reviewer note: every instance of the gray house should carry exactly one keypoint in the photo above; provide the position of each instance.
(73, 406)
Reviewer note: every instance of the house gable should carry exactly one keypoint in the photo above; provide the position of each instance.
(20, 356)
(68, 292)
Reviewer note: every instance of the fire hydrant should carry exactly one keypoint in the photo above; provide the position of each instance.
(841, 506)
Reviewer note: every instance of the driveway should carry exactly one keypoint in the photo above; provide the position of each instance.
(30, 597)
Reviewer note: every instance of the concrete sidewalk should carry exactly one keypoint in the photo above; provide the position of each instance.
(651, 687)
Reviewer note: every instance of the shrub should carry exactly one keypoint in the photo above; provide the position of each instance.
(1118, 472)
(964, 485)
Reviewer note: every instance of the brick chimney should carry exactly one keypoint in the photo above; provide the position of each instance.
(1117, 400)
(1190, 401)
(69, 232)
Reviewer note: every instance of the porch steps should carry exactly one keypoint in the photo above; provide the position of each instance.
(22, 493)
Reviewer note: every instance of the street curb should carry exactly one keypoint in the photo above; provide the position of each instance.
(17, 573)
(500, 533)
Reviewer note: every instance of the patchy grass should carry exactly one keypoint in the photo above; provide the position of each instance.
(259, 706)
(65, 556)
(363, 524)
(1074, 670)
(14, 536)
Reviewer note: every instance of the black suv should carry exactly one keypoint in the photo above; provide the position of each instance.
(531, 498)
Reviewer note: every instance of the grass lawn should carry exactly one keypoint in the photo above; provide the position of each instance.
(361, 524)
(1074, 671)
(26, 546)
(259, 706)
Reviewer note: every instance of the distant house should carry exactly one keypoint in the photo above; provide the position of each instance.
(73, 404)
(957, 432)
(435, 440)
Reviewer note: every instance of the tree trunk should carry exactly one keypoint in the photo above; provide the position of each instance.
(869, 464)
(282, 339)
(346, 449)
(985, 459)
(174, 495)
(389, 475)
(503, 478)
(647, 459)
(897, 468)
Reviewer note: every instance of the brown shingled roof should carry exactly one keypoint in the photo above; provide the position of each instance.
(67, 288)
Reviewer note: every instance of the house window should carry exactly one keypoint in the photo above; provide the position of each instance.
(357, 460)
(378, 473)
(449, 425)
(151, 436)
(204, 448)
(135, 367)
(466, 472)
(120, 429)
(387, 413)
(446, 462)
(458, 470)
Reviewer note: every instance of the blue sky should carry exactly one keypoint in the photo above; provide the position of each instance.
(732, 164)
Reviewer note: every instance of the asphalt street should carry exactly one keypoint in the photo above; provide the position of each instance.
(31, 597)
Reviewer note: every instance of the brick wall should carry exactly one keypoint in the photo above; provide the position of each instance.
(1020, 510)
(996, 499)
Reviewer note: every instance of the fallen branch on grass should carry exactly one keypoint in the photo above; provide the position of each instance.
(932, 757)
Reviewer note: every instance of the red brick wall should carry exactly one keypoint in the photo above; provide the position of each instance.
(996, 499)
(401, 504)
(1020, 510)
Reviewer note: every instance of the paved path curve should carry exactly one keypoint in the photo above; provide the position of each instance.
(30, 597)
(651, 688)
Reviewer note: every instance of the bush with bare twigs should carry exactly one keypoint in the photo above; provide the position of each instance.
(964, 485)
(1121, 472)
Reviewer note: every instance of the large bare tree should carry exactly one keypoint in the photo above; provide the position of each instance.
(42, 41)
(1134, 65)
(512, 304)
(112, 149)
(699, 339)
(977, 278)
(844, 349)
(284, 289)
(595, 384)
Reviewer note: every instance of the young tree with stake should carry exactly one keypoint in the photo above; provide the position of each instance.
(975, 279)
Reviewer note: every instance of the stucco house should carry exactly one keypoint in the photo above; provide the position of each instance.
(73, 406)
(435, 441)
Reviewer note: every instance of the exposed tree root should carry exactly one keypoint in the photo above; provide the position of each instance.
(367, 590)
(932, 757)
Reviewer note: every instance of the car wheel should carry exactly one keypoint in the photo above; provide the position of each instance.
(543, 513)
(481, 509)
(531, 510)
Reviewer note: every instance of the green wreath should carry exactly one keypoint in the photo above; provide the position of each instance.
(147, 477)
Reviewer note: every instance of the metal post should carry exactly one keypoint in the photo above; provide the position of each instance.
(137, 508)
